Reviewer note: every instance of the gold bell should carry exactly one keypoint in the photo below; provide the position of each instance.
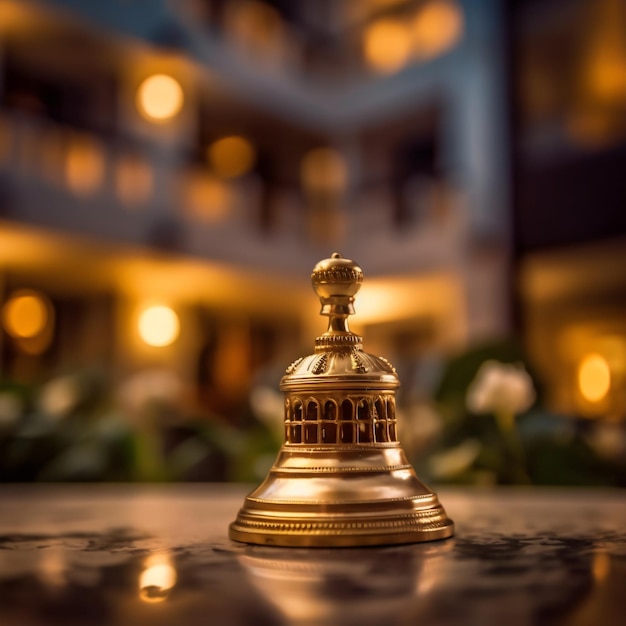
(341, 478)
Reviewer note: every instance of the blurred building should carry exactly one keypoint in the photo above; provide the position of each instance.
(569, 153)
(171, 171)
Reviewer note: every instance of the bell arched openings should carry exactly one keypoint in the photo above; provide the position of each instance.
(381, 432)
(294, 419)
(391, 418)
(312, 423)
(346, 427)
(331, 420)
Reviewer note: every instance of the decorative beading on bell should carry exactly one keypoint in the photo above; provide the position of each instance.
(341, 478)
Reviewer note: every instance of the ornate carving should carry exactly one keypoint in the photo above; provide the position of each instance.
(359, 469)
(334, 342)
(358, 364)
(321, 364)
(338, 275)
(390, 368)
(292, 368)
(430, 519)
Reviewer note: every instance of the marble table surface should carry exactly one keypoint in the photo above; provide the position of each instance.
(132, 555)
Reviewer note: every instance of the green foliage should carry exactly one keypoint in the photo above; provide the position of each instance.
(540, 448)
(74, 429)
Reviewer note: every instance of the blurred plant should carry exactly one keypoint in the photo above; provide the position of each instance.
(483, 426)
(149, 399)
(419, 426)
(608, 441)
(502, 389)
(268, 406)
(494, 429)
(59, 397)
(454, 461)
(11, 407)
(81, 427)
(505, 391)
(147, 388)
(63, 430)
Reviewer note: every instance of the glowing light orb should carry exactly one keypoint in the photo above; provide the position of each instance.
(160, 98)
(437, 27)
(387, 45)
(159, 326)
(594, 378)
(26, 315)
(157, 579)
(232, 157)
(207, 197)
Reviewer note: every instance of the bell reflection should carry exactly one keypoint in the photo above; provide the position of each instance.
(356, 587)
(601, 566)
(157, 579)
(52, 566)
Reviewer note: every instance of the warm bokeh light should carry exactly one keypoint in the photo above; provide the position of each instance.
(26, 315)
(52, 566)
(437, 27)
(231, 157)
(134, 181)
(607, 77)
(160, 98)
(84, 165)
(601, 566)
(594, 118)
(206, 197)
(604, 61)
(157, 578)
(590, 127)
(594, 378)
(232, 354)
(324, 170)
(159, 326)
(387, 45)
(257, 28)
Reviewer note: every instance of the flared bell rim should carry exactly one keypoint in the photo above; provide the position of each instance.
(306, 539)
(341, 496)
(327, 525)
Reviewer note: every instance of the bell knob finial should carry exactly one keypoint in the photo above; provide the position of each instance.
(336, 281)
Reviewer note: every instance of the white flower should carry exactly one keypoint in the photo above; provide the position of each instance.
(455, 460)
(10, 408)
(269, 406)
(500, 387)
(418, 424)
(150, 386)
(58, 397)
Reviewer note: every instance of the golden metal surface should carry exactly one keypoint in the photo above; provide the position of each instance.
(341, 478)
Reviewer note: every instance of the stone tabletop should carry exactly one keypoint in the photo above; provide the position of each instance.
(159, 555)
